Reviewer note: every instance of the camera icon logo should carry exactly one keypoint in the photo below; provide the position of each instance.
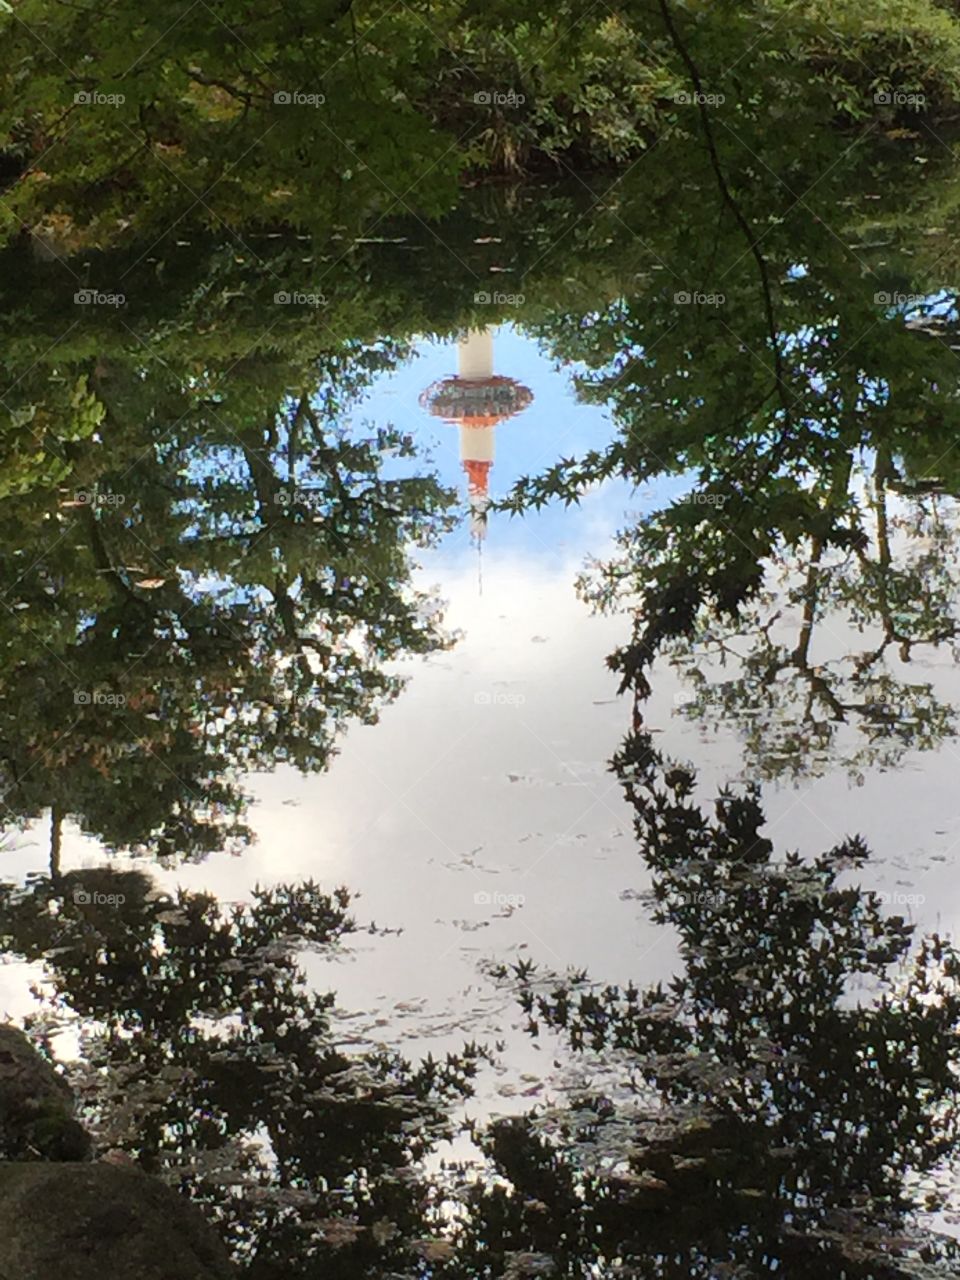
(80, 896)
(283, 298)
(482, 296)
(882, 299)
(282, 97)
(82, 697)
(84, 297)
(482, 97)
(482, 899)
(682, 298)
(82, 98)
(282, 497)
(682, 99)
(882, 98)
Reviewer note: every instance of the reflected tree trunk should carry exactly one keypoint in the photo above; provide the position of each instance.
(56, 836)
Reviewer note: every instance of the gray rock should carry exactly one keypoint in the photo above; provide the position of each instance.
(36, 1105)
(101, 1222)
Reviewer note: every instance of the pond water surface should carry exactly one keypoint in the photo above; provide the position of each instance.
(509, 741)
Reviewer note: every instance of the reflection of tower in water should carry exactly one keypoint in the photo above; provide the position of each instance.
(476, 400)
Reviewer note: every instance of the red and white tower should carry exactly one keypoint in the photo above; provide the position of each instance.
(476, 400)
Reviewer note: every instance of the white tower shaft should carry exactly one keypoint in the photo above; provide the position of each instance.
(475, 354)
(477, 444)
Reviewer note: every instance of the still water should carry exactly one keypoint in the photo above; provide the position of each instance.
(476, 786)
(479, 818)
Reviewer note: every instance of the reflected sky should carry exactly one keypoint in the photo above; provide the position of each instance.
(478, 819)
(555, 424)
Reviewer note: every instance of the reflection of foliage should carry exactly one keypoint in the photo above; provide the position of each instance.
(228, 579)
(209, 1059)
(246, 595)
(897, 586)
(762, 400)
(766, 1120)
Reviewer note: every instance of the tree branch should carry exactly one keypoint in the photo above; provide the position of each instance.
(731, 203)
